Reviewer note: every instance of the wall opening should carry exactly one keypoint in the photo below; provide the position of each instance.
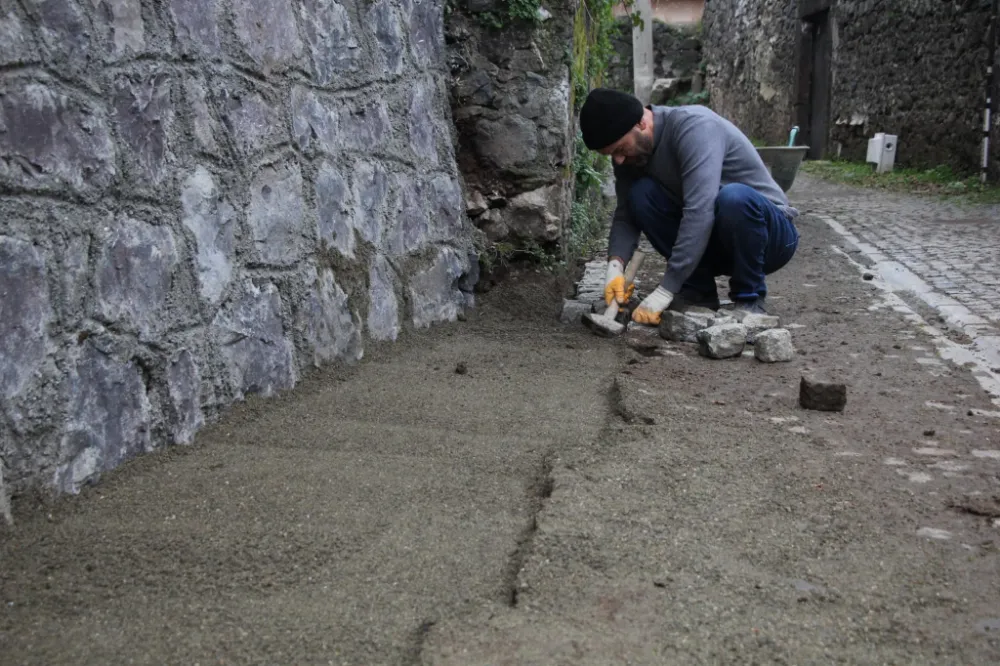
(815, 81)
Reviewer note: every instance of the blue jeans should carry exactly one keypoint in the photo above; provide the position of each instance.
(751, 237)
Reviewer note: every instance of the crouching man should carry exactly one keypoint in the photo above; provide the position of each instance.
(696, 186)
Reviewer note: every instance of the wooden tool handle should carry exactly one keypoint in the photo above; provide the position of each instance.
(633, 266)
(630, 272)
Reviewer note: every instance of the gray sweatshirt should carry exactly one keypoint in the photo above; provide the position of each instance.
(695, 153)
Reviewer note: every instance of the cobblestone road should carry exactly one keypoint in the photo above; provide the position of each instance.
(941, 254)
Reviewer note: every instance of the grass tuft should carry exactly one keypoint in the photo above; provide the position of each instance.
(938, 181)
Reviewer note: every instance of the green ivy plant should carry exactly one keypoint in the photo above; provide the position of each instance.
(593, 27)
(524, 10)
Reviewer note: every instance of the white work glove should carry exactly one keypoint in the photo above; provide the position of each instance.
(614, 284)
(652, 307)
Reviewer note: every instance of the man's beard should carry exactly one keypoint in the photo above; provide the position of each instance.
(643, 148)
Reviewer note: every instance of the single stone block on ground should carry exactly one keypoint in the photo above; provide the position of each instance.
(755, 323)
(573, 310)
(822, 396)
(699, 311)
(682, 326)
(724, 341)
(774, 346)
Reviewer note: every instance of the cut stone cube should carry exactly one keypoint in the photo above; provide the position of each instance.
(774, 346)
(682, 326)
(724, 341)
(756, 323)
(822, 396)
(573, 310)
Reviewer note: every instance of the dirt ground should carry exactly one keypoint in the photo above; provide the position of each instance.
(558, 499)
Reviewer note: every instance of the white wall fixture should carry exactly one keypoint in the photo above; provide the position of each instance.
(882, 152)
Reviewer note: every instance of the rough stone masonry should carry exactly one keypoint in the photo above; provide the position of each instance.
(202, 199)
(511, 104)
(914, 68)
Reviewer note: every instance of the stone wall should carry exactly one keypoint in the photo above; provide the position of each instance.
(750, 61)
(203, 200)
(926, 85)
(510, 97)
(677, 53)
(914, 68)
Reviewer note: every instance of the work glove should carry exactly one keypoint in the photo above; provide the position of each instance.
(614, 285)
(652, 307)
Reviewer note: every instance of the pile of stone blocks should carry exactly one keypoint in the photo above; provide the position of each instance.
(589, 293)
(722, 335)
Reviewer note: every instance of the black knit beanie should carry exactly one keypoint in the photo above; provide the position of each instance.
(607, 116)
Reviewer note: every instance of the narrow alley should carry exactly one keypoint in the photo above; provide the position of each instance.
(510, 489)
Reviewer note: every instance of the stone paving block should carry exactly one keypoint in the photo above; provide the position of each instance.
(443, 202)
(699, 311)
(573, 310)
(65, 31)
(774, 346)
(721, 342)
(410, 227)
(755, 323)
(682, 326)
(822, 395)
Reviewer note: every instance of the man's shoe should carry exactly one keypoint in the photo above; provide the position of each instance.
(689, 298)
(755, 306)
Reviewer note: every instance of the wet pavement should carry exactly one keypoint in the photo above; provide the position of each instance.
(936, 254)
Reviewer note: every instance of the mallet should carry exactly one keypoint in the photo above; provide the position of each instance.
(605, 324)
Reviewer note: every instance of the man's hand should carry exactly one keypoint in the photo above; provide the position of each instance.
(614, 285)
(652, 307)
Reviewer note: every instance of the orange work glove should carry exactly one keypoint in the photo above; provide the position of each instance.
(615, 288)
(652, 307)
